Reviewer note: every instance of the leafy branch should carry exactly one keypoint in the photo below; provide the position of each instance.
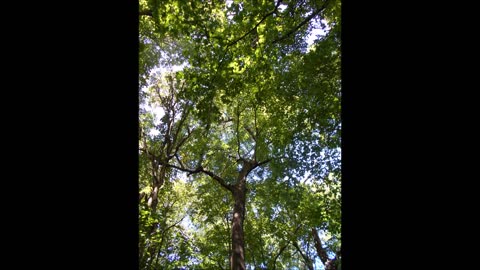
(305, 21)
(256, 26)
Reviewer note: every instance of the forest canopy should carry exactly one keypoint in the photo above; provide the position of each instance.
(240, 134)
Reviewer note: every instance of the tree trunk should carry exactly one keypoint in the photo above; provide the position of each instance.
(239, 191)
(330, 264)
(158, 180)
(237, 261)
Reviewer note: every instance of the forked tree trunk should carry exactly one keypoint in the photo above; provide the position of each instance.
(239, 191)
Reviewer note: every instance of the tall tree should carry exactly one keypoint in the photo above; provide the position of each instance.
(253, 107)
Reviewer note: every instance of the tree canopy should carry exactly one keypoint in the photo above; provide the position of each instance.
(240, 134)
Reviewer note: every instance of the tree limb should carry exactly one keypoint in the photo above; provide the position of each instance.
(179, 161)
(251, 133)
(280, 252)
(179, 127)
(263, 162)
(322, 253)
(146, 12)
(200, 169)
(315, 13)
(174, 224)
(220, 63)
(307, 260)
(218, 179)
(183, 140)
(256, 134)
(255, 27)
(238, 133)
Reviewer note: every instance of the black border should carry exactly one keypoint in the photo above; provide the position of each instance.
(109, 115)
(371, 218)
(75, 190)
(401, 156)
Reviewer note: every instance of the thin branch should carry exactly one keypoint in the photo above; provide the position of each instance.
(174, 224)
(230, 164)
(234, 158)
(255, 27)
(225, 121)
(280, 252)
(307, 260)
(255, 145)
(170, 206)
(149, 154)
(200, 169)
(179, 161)
(256, 134)
(238, 133)
(253, 257)
(263, 162)
(247, 152)
(145, 13)
(183, 140)
(220, 63)
(251, 133)
(141, 196)
(218, 179)
(315, 13)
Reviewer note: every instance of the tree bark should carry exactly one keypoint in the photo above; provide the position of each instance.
(237, 261)
(158, 180)
(239, 191)
(146, 13)
(330, 264)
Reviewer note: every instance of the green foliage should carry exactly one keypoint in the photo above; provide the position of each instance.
(249, 87)
(163, 238)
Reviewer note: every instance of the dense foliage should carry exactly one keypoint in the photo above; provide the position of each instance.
(240, 135)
